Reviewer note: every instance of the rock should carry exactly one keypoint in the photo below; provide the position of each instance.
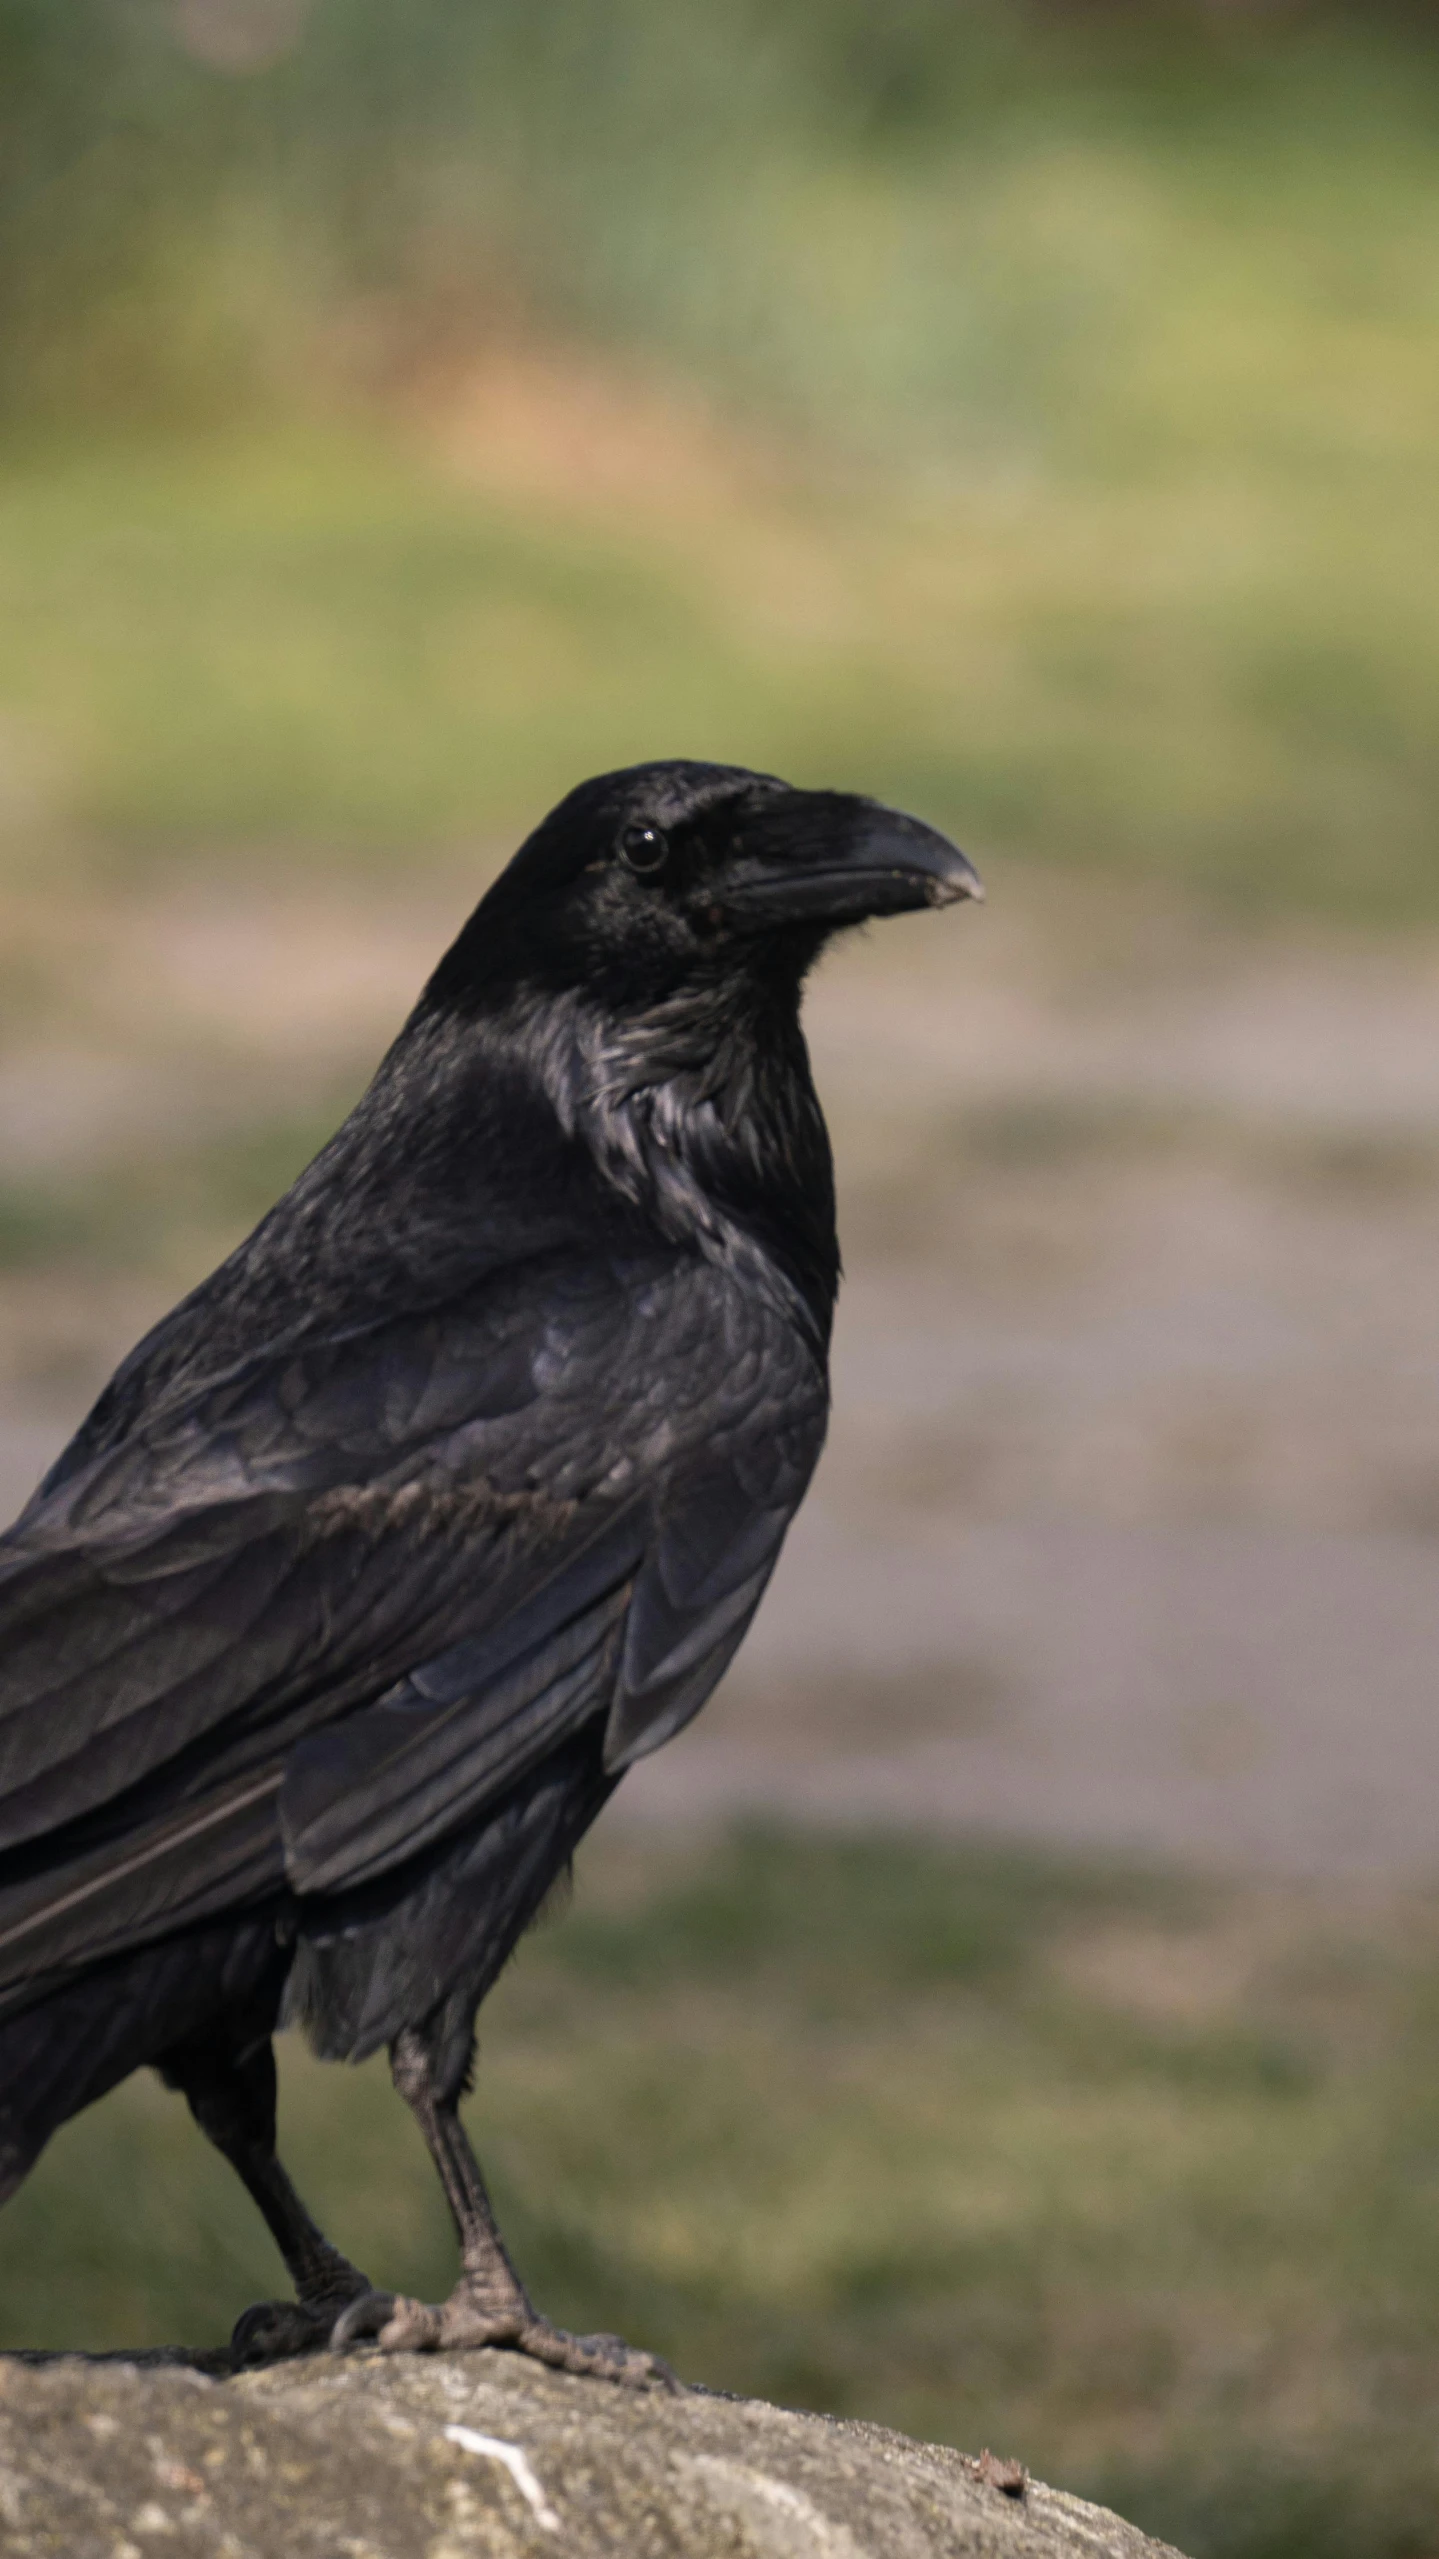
(482, 2456)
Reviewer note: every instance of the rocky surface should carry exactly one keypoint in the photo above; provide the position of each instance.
(448, 2456)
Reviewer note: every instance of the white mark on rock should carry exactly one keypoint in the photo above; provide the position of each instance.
(490, 2448)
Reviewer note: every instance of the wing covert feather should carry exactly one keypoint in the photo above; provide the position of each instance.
(295, 1626)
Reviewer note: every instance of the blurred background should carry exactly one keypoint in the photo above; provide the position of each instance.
(1013, 2012)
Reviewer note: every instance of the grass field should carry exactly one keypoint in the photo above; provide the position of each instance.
(1133, 2178)
(1050, 445)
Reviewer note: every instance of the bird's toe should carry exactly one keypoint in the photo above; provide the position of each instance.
(413, 2328)
(603, 2357)
(365, 2317)
(269, 2331)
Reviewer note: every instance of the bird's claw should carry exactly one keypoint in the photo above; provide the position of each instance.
(271, 2331)
(367, 2318)
(398, 2325)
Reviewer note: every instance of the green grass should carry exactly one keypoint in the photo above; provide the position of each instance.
(170, 1209)
(944, 2137)
(1095, 365)
(322, 652)
(314, 644)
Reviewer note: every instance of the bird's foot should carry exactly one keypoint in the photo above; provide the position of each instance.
(270, 2331)
(401, 2326)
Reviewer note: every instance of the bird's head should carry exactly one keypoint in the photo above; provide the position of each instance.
(645, 881)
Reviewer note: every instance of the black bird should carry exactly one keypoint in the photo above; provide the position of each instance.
(450, 1494)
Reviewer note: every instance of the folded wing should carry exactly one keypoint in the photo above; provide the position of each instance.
(329, 1607)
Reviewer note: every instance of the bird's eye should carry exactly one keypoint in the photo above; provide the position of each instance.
(644, 849)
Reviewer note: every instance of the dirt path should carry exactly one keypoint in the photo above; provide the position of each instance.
(1129, 1529)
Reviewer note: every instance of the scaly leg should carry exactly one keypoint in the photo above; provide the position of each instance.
(231, 2094)
(489, 2305)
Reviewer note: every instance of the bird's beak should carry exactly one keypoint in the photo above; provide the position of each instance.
(824, 857)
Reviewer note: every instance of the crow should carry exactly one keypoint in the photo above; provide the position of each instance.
(446, 1497)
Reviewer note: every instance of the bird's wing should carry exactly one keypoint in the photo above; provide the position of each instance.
(286, 1529)
(494, 1518)
(644, 1628)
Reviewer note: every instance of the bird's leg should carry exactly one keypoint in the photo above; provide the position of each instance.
(231, 2094)
(489, 2305)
